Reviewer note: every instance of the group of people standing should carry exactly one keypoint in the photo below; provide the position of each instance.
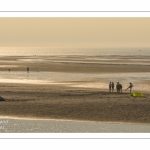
(111, 86)
(118, 87)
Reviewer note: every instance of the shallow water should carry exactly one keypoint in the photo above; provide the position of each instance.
(32, 51)
(102, 63)
(8, 125)
(96, 80)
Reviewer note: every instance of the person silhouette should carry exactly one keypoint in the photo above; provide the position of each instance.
(27, 69)
(117, 87)
(110, 87)
(130, 87)
(120, 88)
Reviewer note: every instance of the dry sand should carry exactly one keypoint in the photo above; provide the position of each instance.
(63, 102)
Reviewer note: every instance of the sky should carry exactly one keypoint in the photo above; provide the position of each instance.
(75, 32)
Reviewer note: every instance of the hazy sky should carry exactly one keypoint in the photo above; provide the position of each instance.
(75, 32)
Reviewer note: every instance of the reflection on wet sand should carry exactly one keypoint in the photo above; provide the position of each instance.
(78, 79)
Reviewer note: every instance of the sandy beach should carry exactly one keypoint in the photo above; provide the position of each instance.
(67, 99)
(61, 102)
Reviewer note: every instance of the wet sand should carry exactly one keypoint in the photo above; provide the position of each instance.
(76, 64)
(23, 125)
(61, 101)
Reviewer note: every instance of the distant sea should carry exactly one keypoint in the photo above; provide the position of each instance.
(31, 51)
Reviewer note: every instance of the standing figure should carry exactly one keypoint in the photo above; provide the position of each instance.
(117, 87)
(120, 88)
(130, 87)
(110, 87)
(27, 69)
